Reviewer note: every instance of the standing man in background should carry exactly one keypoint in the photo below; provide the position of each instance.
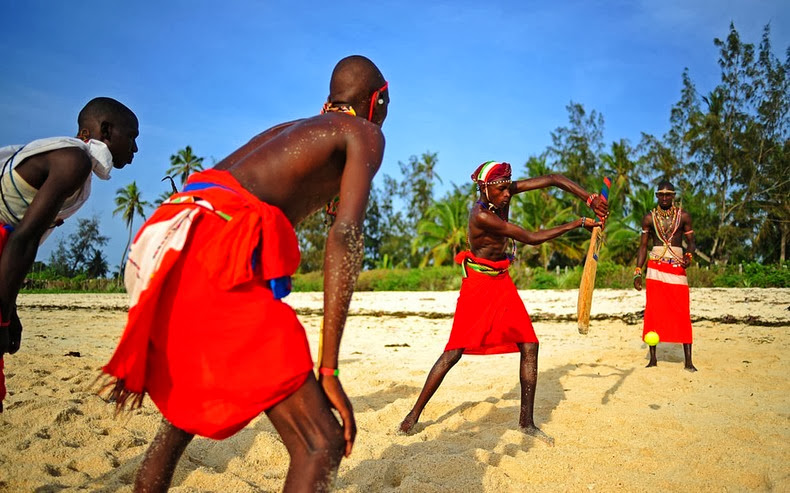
(667, 312)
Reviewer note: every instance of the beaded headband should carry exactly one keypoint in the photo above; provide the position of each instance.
(492, 173)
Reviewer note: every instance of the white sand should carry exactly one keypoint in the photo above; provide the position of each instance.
(617, 425)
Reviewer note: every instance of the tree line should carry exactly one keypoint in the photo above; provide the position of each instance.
(727, 152)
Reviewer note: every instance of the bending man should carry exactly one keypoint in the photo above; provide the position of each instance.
(207, 336)
(43, 183)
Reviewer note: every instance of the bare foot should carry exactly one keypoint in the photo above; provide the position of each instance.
(651, 364)
(407, 424)
(537, 433)
(690, 368)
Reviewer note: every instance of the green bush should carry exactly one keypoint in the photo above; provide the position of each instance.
(699, 277)
(544, 280)
(445, 278)
(78, 284)
(311, 281)
(448, 278)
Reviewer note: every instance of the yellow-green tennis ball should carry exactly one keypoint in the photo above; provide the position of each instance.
(651, 338)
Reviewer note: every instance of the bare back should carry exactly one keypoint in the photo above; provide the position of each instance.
(298, 166)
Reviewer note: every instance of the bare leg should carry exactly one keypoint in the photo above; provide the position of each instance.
(159, 463)
(528, 374)
(313, 437)
(687, 353)
(447, 360)
(652, 361)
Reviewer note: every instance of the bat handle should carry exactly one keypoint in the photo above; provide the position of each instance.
(607, 183)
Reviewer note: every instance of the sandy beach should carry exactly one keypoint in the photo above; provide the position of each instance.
(617, 425)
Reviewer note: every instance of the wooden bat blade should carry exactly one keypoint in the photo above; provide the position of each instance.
(588, 283)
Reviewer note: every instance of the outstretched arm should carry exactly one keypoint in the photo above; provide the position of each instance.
(343, 258)
(599, 205)
(68, 170)
(493, 225)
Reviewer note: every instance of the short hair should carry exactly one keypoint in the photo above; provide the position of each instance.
(354, 78)
(102, 108)
(666, 185)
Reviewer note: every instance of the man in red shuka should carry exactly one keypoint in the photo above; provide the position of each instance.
(208, 337)
(490, 317)
(667, 311)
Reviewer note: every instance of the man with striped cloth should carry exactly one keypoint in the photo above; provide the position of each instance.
(667, 310)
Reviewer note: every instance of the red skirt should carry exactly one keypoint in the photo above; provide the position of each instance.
(490, 317)
(667, 312)
(206, 339)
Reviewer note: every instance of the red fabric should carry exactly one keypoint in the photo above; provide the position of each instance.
(490, 317)
(667, 311)
(207, 340)
(3, 240)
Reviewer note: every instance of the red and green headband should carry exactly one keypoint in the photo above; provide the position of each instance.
(492, 172)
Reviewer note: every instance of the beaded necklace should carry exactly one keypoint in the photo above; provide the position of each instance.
(501, 214)
(666, 230)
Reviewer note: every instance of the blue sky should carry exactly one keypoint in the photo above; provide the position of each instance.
(472, 81)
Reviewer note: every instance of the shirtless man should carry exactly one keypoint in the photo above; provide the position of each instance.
(667, 311)
(44, 182)
(490, 317)
(207, 337)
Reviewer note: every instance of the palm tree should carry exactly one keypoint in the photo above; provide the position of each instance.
(539, 209)
(184, 163)
(622, 169)
(130, 204)
(624, 225)
(443, 229)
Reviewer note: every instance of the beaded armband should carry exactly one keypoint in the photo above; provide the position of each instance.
(329, 371)
(591, 198)
(638, 272)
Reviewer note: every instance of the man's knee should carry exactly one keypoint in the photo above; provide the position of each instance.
(453, 356)
(529, 347)
(328, 445)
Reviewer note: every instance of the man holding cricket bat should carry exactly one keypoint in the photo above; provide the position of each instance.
(667, 311)
(490, 317)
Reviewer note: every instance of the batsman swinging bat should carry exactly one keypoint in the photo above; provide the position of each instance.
(590, 267)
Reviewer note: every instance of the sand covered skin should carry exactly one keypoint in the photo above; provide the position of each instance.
(617, 425)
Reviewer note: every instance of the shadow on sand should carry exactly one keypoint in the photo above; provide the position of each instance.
(468, 451)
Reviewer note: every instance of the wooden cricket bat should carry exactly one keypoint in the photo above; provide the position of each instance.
(588, 274)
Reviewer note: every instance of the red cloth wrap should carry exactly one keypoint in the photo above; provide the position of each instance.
(667, 311)
(207, 340)
(490, 317)
(4, 233)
